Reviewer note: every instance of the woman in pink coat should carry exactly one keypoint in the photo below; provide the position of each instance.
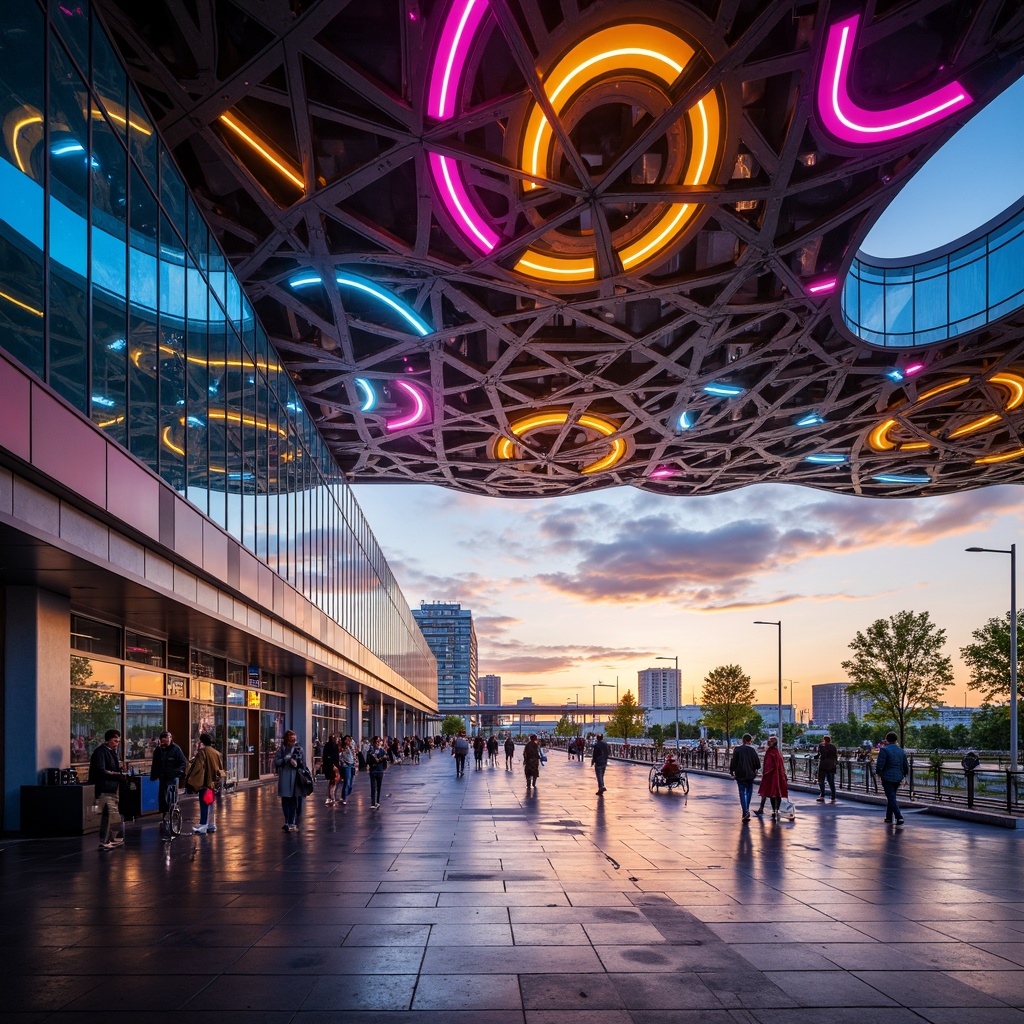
(774, 785)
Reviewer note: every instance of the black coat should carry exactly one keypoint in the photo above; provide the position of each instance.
(169, 763)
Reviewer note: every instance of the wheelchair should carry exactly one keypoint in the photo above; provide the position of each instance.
(658, 780)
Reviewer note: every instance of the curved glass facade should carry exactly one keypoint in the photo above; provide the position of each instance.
(940, 294)
(113, 291)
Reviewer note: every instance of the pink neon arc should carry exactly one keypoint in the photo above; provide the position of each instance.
(420, 412)
(850, 123)
(911, 370)
(822, 287)
(449, 63)
(662, 474)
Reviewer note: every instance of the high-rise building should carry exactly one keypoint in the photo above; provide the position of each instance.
(448, 630)
(659, 687)
(833, 702)
(489, 689)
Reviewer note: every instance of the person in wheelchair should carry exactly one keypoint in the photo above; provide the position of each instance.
(670, 769)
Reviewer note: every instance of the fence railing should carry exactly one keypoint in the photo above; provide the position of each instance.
(988, 789)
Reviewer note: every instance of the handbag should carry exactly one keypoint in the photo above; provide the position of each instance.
(787, 807)
(304, 780)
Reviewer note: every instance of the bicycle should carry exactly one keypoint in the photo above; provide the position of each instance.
(170, 824)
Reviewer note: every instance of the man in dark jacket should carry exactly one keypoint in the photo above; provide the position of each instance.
(828, 761)
(599, 759)
(892, 767)
(743, 767)
(460, 748)
(168, 767)
(105, 774)
(510, 752)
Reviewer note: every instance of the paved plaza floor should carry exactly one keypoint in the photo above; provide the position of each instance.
(470, 900)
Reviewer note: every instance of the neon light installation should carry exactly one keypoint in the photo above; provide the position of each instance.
(850, 123)
(504, 448)
(812, 419)
(902, 478)
(420, 412)
(664, 473)
(1009, 385)
(722, 390)
(826, 458)
(823, 286)
(409, 315)
(364, 387)
(257, 145)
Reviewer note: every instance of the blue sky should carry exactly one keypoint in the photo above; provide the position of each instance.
(571, 591)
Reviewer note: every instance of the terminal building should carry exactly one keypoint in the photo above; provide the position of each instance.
(451, 635)
(179, 548)
(833, 702)
(659, 688)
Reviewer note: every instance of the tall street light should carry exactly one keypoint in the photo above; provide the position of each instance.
(1012, 552)
(779, 626)
(593, 699)
(793, 684)
(676, 683)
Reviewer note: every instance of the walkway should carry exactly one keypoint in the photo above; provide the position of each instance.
(470, 896)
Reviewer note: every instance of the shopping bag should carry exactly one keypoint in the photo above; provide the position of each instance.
(787, 808)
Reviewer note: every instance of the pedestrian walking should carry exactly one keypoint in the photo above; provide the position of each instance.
(828, 761)
(347, 764)
(892, 767)
(204, 778)
(744, 767)
(599, 759)
(531, 762)
(106, 773)
(377, 759)
(288, 759)
(492, 750)
(510, 753)
(478, 752)
(330, 763)
(460, 750)
(774, 785)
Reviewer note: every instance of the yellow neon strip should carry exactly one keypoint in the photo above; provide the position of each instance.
(103, 424)
(975, 425)
(121, 119)
(137, 355)
(878, 439)
(166, 437)
(1005, 457)
(959, 382)
(618, 450)
(915, 446)
(21, 305)
(16, 131)
(272, 158)
(568, 269)
(1015, 384)
(505, 449)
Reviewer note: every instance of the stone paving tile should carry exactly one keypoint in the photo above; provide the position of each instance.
(978, 1015)
(569, 992)
(467, 992)
(830, 988)
(1005, 985)
(926, 988)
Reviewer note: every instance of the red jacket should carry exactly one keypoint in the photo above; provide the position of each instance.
(773, 774)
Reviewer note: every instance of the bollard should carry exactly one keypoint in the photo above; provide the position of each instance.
(970, 787)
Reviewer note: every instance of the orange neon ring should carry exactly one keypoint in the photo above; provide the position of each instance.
(504, 447)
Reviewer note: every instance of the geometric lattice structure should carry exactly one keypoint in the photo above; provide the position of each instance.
(525, 248)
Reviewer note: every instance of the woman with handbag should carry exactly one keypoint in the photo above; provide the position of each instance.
(347, 764)
(204, 777)
(288, 760)
(377, 760)
(774, 785)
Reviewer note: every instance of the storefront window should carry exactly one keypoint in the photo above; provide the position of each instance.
(99, 675)
(93, 637)
(145, 650)
(271, 734)
(236, 731)
(92, 714)
(208, 718)
(144, 721)
(140, 681)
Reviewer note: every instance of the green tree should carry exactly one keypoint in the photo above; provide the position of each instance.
(990, 727)
(850, 733)
(564, 727)
(628, 719)
(657, 734)
(452, 725)
(754, 724)
(898, 663)
(934, 737)
(988, 658)
(726, 699)
(790, 731)
(960, 735)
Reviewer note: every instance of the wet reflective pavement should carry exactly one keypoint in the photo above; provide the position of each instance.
(469, 900)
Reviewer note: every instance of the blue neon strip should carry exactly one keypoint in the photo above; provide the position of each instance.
(826, 459)
(369, 396)
(723, 390)
(812, 419)
(901, 478)
(416, 322)
(686, 420)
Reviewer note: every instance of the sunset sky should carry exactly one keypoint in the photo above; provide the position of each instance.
(570, 591)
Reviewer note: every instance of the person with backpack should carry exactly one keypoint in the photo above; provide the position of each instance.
(204, 778)
(892, 767)
(460, 751)
(510, 753)
(492, 750)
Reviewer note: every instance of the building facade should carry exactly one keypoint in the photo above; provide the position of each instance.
(659, 688)
(832, 702)
(449, 631)
(179, 549)
(489, 689)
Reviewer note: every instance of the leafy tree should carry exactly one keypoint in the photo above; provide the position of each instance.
(960, 735)
(989, 658)
(628, 719)
(934, 737)
(990, 727)
(754, 724)
(564, 727)
(452, 725)
(657, 734)
(898, 662)
(727, 698)
(790, 731)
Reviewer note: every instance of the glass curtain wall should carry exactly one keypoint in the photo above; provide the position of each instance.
(113, 291)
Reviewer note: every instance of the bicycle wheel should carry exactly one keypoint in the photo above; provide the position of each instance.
(684, 783)
(653, 780)
(174, 821)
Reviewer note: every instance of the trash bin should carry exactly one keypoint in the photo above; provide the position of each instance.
(129, 798)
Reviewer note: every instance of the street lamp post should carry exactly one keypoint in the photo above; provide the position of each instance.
(593, 699)
(675, 689)
(793, 683)
(1012, 552)
(778, 625)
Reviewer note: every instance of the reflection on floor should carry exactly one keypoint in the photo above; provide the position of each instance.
(468, 900)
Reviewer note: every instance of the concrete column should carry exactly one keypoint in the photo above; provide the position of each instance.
(36, 691)
(300, 712)
(355, 716)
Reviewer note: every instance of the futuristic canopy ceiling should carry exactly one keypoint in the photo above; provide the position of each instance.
(533, 247)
